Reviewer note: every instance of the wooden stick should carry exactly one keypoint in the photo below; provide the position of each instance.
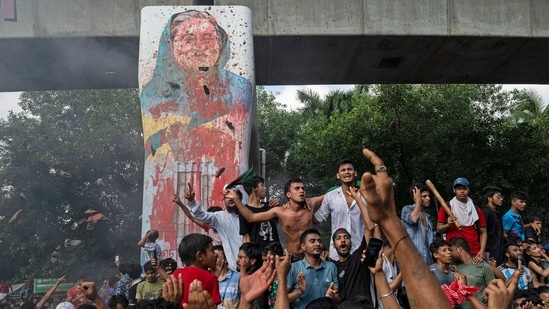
(442, 202)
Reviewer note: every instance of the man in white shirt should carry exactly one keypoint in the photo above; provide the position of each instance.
(341, 206)
(226, 223)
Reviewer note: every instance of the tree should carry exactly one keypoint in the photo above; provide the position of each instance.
(277, 128)
(67, 152)
(437, 132)
(529, 108)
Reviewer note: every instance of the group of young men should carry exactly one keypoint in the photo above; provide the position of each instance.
(480, 243)
(248, 234)
(341, 277)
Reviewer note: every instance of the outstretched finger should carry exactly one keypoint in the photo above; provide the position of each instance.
(376, 162)
(190, 186)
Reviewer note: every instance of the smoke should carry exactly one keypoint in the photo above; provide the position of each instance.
(32, 64)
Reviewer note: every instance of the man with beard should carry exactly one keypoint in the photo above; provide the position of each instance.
(354, 277)
(342, 207)
(513, 255)
(493, 200)
(225, 222)
(319, 275)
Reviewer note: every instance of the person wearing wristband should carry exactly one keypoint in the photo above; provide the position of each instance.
(384, 292)
(354, 277)
(377, 189)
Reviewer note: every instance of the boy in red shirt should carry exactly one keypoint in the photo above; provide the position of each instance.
(196, 252)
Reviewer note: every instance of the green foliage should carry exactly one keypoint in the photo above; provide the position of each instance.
(436, 132)
(95, 138)
(278, 128)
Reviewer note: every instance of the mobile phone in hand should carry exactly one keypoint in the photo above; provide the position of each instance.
(372, 251)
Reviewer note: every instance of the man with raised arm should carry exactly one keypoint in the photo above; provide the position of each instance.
(295, 217)
(342, 207)
(225, 222)
(418, 221)
(422, 288)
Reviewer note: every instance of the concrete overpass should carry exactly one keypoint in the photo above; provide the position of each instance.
(79, 44)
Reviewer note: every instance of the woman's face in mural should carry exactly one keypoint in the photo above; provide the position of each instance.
(195, 45)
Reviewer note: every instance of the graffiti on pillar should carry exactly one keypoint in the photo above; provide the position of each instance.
(8, 10)
(196, 80)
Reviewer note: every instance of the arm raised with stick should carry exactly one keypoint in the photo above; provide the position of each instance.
(443, 203)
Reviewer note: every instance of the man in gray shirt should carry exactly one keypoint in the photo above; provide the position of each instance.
(442, 255)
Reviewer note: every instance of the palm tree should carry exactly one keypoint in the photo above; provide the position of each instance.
(530, 109)
(336, 101)
(312, 101)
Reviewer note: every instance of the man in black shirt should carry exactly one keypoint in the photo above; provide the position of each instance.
(260, 233)
(493, 200)
(354, 277)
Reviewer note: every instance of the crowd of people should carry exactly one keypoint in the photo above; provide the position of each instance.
(376, 259)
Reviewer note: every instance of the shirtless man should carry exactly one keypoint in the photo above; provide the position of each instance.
(295, 217)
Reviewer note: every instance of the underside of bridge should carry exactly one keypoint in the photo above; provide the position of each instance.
(112, 62)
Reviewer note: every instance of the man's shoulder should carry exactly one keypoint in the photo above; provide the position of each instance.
(330, 196)
(488, 212)
(407, 208)
(329, 265)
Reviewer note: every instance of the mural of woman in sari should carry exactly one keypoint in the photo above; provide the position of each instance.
(195, 113)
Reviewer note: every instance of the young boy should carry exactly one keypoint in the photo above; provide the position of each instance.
(151, 288)
(197, 253)
(442, 257)
(151, 248)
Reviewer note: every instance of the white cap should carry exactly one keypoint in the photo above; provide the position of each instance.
(65, 305)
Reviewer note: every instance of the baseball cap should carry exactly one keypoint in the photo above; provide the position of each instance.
(65, 305)
(461, 182)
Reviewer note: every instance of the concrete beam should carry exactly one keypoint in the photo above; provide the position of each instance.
(78, 44)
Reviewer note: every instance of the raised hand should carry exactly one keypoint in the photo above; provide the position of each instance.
(273, 202)
(497, 295)
(60, 280)
(172, 289)
(252, 286)
(189, 192)
(198, 297)
(353, 192)
(283, 264)
(301, 282)
(332, 291)
(231, 194)
(378, 190)
(89, 290)
(176, 199)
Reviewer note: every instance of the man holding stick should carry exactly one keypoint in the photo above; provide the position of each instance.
(471, 218)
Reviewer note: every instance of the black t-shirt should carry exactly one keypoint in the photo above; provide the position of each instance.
(494, 230)
(261, 233)
(530, 233)
(353, 276)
